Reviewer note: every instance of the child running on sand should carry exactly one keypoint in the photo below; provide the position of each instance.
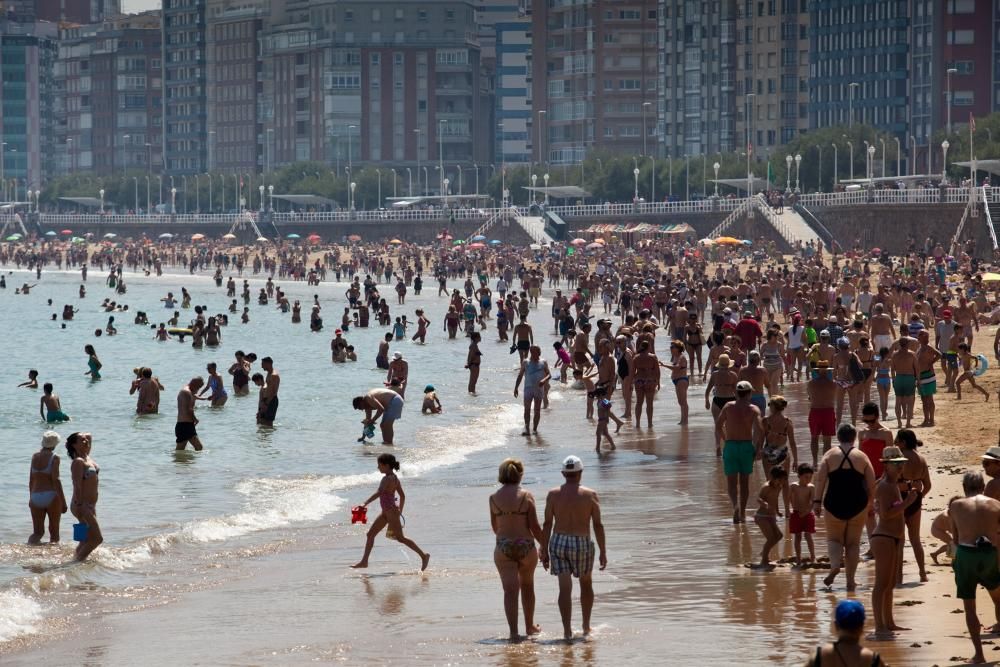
(604, 414)
(965, 361)
(941, 529)
(766, 517)
(803, 520)
(392, 515)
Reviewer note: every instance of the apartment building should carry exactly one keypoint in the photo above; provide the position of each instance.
(185, 137)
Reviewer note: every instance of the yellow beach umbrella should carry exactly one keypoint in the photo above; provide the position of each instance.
(991, 277)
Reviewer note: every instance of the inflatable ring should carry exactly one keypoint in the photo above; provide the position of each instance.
(984, 365)
(179, 332)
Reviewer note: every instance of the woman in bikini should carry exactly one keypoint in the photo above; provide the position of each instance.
(779, 444)
(772, 353)
(472, 360)
(84, 504)
(915, 469)
(887, 538)
(392, 515)
(45, 492)
(645, 380)
(678, 367)
(694, 340)
(723, 382)
(515, 522)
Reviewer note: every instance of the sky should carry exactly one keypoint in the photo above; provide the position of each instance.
(135, 6)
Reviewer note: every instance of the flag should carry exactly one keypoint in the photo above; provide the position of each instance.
(972, 122)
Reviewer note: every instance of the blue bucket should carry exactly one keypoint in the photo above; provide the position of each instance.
(80, 531)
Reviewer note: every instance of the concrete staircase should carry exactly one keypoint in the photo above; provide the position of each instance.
(534, 226)
(789, 224)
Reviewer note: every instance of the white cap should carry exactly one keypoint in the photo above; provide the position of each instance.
(50, 440)
(572, 464)
(397, 355)
(743, 385)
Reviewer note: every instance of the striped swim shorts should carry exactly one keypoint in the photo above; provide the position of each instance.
(571, 554)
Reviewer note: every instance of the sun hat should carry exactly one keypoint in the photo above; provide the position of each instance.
(723, 361)
(893, 454)
(992, 454)
(50, 440)
(572, 464)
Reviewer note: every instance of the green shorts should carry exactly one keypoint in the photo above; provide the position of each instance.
(974, 566)
(737, 457)
(928, 383)
(904, 385)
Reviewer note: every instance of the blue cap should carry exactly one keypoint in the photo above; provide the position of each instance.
(850, 614)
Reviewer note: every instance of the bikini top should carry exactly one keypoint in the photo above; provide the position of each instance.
(48, 466)
(499, 512)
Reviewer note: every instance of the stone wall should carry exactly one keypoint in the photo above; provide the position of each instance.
(887, 226)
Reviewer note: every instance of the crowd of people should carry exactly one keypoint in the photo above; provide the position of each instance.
(856, 330)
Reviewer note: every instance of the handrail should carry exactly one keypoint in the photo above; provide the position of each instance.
(821, 230)
(989, 218)
(732, 217)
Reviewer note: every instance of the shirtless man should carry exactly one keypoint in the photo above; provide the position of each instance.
(50, 401)
(582, 357)
(903, 367)
(399, 371)
(566, 548)
(558, 303)
(965, 315)
(881, 328)
(975, 523)
(385, 404)
(148, 387)
(822, 393)
(927, 356)
(741, 426)
(536, 375)
(269, 393)
(184, 430)
(991, 466)
(759, 378)
(523, 338)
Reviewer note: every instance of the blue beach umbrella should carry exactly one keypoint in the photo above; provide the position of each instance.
(496, 242)
(478, 237)
(293, 236)
(50, 233)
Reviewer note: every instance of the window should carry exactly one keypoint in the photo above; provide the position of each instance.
(376, 15)
(376, 59)
(397, 58)
(609, 131)
(629, 84)
(964, 66)
(449, 15)
(963, 98)
(961, 37)
(348, 14)
(421, 14)
(342, 81)
(452, 57)
(629, 14)
(961, 6)
(399, 14)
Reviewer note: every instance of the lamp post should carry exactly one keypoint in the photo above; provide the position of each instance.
(645, 105)
(635, 196)
(378, 172)
(538, 136)
(350, 198)
(850, 147)
(135, 181)
(687, 178)
(836, 174)
(211, 149)
(69, 155)
(670, 177)
(222, 193)
(149, 158)
(173, 201)
(545, 177)
(125, 138)
(819, 177)
(147, 195)
(426, 181)
(715, 167)
(350, 141)
(798, 165)
(197, 193)
(184, 186)
(788, 174)
(159, 181)
(409, 177)
(534, 179)
(949, 72)
(944, 161)
(871, 163)
(441, 125)
(260, 190)
(38, 193)
(100, 192)
(445, 183)
(460, 179)
(211, 181)
(475, 166)
(270, 198)
(393, 170)
(850, 103)
(897, 156)
(882, 141)
(749, 146)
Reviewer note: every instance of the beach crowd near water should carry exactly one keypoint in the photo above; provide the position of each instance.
(864, 332)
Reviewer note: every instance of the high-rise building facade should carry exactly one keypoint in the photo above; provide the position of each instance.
(594, 78)
(185, 137)
(27, 58)
(966, 67)
(859, 64)
(696, 112)
(513, 92)
(772, 85)
(108, 111)
(60, 11)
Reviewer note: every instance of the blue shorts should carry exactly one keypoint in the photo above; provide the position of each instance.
(394, 410)
(761, 402)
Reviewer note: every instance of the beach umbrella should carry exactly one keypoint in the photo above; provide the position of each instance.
(578, 242)
(728, 240)
(595, 246)
(293, 236)
(261, 239)
(747, 242)
(166, 236)
(14, 237)
(496, 242)
(314, 237)
(50, 233)
(876, 251)
(476, 246)
(535, 246)
(600, 240)
(77, 239)
(197, 237)
(478, 237)
(354, 237)
(991, 277)
(229, 237)
(110, 235)
(66, 232)
(458, 242)
(706, 242)
(395, 242)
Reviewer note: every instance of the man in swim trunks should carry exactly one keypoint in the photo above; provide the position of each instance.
(523, 338)
(927, 356)
(975, 523)
(386, 404)
(742, 431)
(51, 402)
(536, 375)
(822, 392)
(269, 393)
(903, 367)
(566, 548)
(184, 430)
(881, 328)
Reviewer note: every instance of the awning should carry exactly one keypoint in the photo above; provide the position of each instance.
(561, 191)
(992, 166)
(92, 202)
(306, 200)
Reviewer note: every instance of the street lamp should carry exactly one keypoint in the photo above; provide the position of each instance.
(635, 196)
(197, 193)
(819, 177)
(836, 173)
(913, 154)
(850, 146)
(882, 141)
(476, 167)
(393, 170)
(798, 164)
(871, 162)
(441, 126)
(426, 180)
(897, 156)
(38, 193)
(260, 189)
(645, 105)
(538, 135)
(135, 181)
(788, 174)
(100, 192)
(416, 131)
(378, 172)
(850, 103)
(350, 141)
(147, 194)
(446, 182)
(351, 201)
(125, 138)
(534, 179)
(949, 72)
(715, 167)
(270, 198)
(173, 201)
(748, 117)
(184, 187)
(409, 177)
(545, 177)
(687, 178)
(944, 165)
